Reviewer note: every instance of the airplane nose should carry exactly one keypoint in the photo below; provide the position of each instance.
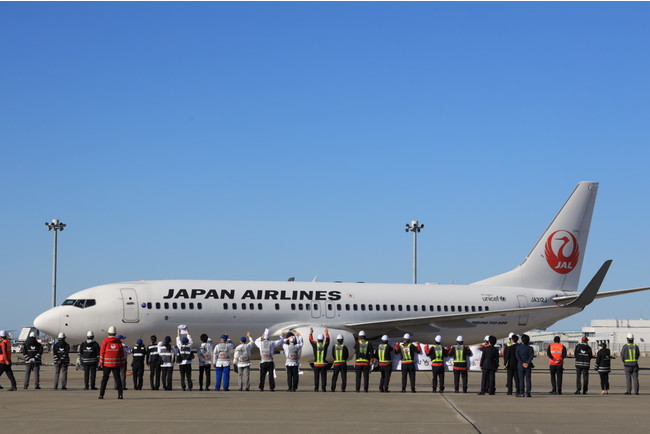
(47, 322)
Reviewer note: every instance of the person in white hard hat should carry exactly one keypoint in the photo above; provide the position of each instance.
(437, 354)
(461, 354)
(408, 352)
(111, 359)
(32, 354)
(89, 355)
(630, 357)
(320, 365)
(385, 359)
(340, 354)
(61, 352)
(363, 357)
(5, 359)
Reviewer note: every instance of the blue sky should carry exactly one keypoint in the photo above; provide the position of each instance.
(259, 141)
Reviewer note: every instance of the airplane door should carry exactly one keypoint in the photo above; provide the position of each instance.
(523, 317)
(130, 312)
(329, 309)
(316, 309)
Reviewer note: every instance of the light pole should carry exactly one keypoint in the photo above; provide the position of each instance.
(415, 227)
(56, 226)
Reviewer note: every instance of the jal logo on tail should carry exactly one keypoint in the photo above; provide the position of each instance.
(562, 251)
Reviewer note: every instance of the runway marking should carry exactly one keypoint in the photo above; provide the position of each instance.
(459, 414)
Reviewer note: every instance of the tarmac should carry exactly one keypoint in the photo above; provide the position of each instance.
(147, 411)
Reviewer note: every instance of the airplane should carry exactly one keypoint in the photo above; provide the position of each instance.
(534, 295)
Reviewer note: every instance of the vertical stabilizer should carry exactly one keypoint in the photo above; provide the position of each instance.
(556, 260)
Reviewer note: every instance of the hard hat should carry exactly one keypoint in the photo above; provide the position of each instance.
(585, 339)
(438, 339)
(459, 339)
(407, 337)
(32, 334)
(111, 330)
(3, 333)
(320, 337)
(511, 335)
(629, 336)
(487, 339)
(61, 335)
(384, 338)
(362, 334)
(340, 337)
(90, 334)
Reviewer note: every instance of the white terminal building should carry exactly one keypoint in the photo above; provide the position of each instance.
(611, 331)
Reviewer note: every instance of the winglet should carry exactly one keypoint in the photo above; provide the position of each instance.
(589, 293)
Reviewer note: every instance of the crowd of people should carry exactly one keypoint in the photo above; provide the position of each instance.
(162, 356)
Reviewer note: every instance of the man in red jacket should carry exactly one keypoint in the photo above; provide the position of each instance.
(111, 359)
(5, 359)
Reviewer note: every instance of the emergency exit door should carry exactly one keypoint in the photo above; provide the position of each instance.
(523, 317)
(130, 311)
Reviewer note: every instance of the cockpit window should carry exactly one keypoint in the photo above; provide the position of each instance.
(80, 303)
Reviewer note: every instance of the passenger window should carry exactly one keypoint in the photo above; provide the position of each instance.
(166, 306)
(234, 306)
(157, 305)
(259, 306)
(174, 305)
(191, 305)
(243, 306)
(148, 305)
(399, 307)
(225, 306)
(182, 305)
(277, 306)
(363, 307)
(199, 306)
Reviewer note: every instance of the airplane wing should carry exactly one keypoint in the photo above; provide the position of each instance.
(461, 319)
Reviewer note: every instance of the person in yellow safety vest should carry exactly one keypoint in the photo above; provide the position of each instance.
(363, 359)
(319, 346)
(556, 353)
(407, 352)
(340, 353)
(437, 354)
(630, 357)
(461, 355)
(385, 358)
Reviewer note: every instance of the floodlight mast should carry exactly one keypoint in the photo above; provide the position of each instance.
(56, 226)
(415, 227)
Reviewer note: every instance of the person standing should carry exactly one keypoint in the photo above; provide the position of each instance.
(138, 352)
(385, 358)
(319, 347)
(630, 357)
(556, 353)
(33, 354)
(603, 367)
(242, 360)
(153, 361)
(525, 354)
(583, 355)
(204, 354)
(407, 351)
(223, 357)
(461, 354)
(364, 354)
(89, 354)
(61, 351)
(437, 354)
(267, 365)
(340, 354)
(510, 363)
(111, 359)
(185, 357)
(127, 351)
(489, 366)
(292, 350)
(167, 353)
(5, 359)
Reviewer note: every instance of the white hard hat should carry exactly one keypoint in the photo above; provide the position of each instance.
(511, 335)
(384, 338)
(111, 330)
(487, 338)
(320, 337)
(362, 334)
(630, 336)
(339, 337)
(459, 339)
(61, 335)
(90, 334)
(32, 334)
(407, 336)
(438, 339)
(3, 333)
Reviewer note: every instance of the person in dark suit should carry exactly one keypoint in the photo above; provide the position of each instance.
(510, 363)
(525, 354)
(489, 366)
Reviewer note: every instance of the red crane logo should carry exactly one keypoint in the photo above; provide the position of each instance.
(562, 251)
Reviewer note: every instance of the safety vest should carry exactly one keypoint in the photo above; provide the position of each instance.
(320, 354)
(266, 353)
(223, 355)
(632, 353)
(166, 356)
(185, 353)
(338, 353)
(556, 349)
(34, 354)
(362, 351)
(292, 352)
(459, 354)
(89, 352)
(382, 353)
(439, 350)
(406, 353)
(154, 357)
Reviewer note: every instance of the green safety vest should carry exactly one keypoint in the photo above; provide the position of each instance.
(439, 350)
(382, 353)
(406, 352)
(320, 353)
(632, 353)
(338, 353)
(459, 354)
(362, 351)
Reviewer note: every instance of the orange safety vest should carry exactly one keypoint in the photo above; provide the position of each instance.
(556, 352)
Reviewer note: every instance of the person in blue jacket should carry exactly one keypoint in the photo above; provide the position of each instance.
(525, 354)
